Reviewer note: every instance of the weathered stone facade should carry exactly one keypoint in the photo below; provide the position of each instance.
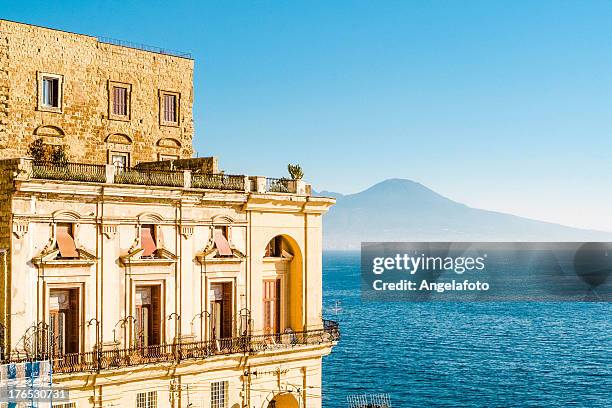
(87, 67)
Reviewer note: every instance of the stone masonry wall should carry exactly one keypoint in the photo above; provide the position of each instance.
(86, 66)
(7, 170)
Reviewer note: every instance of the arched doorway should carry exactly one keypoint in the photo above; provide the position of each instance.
(285, 400)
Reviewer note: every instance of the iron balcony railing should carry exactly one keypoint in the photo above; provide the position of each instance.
(277, 185)
(174, 353)
(69, 171)
(218, 181)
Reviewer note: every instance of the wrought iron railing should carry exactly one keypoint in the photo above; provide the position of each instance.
(69, 171)
(217, 181)
(275, 185)
(144, 47)
(174, 353)
(149, 177)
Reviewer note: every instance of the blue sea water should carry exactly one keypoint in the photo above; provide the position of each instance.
(443, 354)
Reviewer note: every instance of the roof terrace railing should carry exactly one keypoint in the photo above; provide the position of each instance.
(111, 174)
(144, 47)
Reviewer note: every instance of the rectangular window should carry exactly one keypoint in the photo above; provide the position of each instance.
(147, 240)
(146, 399)
(50, 92)
(274, 247)
(271, 305)
(169, 108)
(148, 315)
(64, 321)
(120, 160)
(221, 310)
(218, 394)
(120, 101)
(65, 240)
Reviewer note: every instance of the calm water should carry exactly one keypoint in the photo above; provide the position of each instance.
(464, 354)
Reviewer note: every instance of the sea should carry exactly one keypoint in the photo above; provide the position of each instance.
(463, 354)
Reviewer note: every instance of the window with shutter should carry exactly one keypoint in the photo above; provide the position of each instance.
(64, 320)
(271, 306)
(120, 101)
(155, 317)
(222, 308)
(169, 108)
(148, 315)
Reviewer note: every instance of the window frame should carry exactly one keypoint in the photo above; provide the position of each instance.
(162, 106)
(111, 102)
(146, 399)
(41, 76)
(112, 153)
(219, 394)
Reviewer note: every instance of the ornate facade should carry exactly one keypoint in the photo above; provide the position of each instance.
(147, 283)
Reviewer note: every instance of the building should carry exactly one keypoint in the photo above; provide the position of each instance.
(147, 277)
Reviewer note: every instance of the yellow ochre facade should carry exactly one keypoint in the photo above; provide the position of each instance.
(147, 277)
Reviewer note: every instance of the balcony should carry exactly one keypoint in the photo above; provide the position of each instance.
(147, 176)
(95, 361)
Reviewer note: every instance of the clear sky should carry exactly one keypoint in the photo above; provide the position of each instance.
(502, 105)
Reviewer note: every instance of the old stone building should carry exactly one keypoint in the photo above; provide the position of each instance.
(100, 99)
(142, 276)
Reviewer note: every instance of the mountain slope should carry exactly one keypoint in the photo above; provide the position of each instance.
(403, 210)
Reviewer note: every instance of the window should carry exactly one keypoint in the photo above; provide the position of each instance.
(65, 240)
(49, 92)
(148, 240)
(271, 305)
(64, 320)
(119, 100)
(148, 315)
(169, 108)
(274, 247)
(221, 307)
(120, 160)
(65, 405)
(218, 394)
(146, 399)
(221, 242)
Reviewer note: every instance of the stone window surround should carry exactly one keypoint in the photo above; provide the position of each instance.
(113, 116)
(163, 122)
(40, 76)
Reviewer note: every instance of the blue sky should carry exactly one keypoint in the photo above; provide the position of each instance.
(503, 105)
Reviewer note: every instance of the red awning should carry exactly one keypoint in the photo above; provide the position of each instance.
(65, 241)
(147, 242)
(221, 243)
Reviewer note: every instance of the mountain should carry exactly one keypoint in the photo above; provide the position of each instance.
(404, 210)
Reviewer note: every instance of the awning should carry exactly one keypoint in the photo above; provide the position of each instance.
(147, 242)
(221, 243)
(65, 241)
